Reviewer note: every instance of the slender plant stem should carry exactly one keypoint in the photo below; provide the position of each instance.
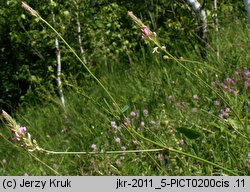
(44, 164)
(99, 152)
(183, 153)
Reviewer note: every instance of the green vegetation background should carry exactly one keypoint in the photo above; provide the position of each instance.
(137, 78)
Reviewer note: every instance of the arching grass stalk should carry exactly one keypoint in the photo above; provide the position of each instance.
(99, 152)
(35, 14)
(151, 36)
(83, 152)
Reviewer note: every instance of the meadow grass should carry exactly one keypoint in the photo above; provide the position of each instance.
(159, 101)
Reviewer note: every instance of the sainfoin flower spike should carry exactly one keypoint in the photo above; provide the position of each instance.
(19, 133)
(29, 9)
(146, 33)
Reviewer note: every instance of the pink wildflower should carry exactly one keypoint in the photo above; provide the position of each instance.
(117, 140)
(22, 130)
(132, 114)
(195, 97)
(145, 112)
(93, 146)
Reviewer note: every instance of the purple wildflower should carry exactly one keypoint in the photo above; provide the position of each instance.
(117, 140)
(195, 97)
(145, 31)
(194, 110)
(213, 84)
(181, 142)
(132, 114)
(170, 97)
(142, 123)
(224, 113)
(145, 112)
(14, 139)
(236, 72)
(93, 146)
(113, 124)
(225, 87)
(123, 148)
(245, 73)
(134, 142)
(248, 158)
(229, 80)
(216, 103)
(152, 122)
(246, 83)
(22, 130)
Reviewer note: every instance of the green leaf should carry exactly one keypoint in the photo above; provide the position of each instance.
(234, 124)
(125, 108)
(189, 133)
(223, 129)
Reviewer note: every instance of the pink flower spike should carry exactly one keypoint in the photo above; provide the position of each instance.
(22, 130)
(145, 32)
